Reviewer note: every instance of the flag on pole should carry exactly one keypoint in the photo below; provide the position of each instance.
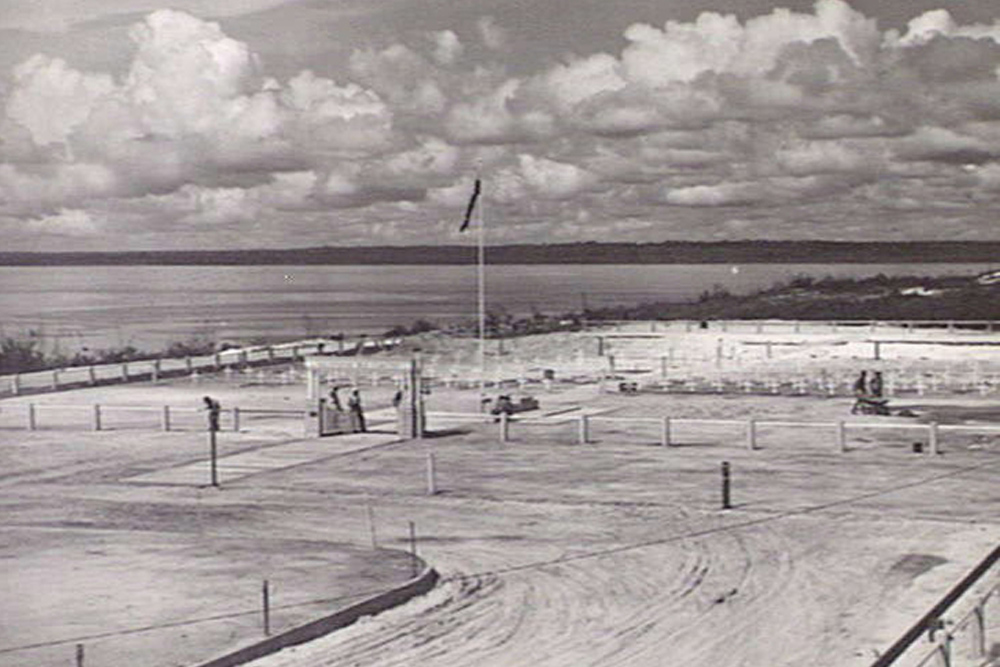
(471, 206)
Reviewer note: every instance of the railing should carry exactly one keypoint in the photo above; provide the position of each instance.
(956, 642)
(795, 326)
(156, 369)
(749, 432)
(98, 417)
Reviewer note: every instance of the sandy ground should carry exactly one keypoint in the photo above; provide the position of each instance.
(616, 552)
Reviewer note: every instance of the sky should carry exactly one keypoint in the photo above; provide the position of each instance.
(228, 124)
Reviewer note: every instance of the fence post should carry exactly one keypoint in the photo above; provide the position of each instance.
(504, 427)
(32, 423)
(270, 354)
(188, 365)
(431, 475)
(97, 416)
(663, 367)
(79, 655)
(166, 417)
(236, 418)
(371, 525)
(979, 629)
(752, 434)
(156, 370)
(584, 429)
(665, 432)
(55, 379)
(932, 429)
(841, 436)
(15, 384)
(878, 350)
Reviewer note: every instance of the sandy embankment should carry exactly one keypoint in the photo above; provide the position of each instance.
(610, 553)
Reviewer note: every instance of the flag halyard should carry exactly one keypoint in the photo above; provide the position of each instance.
(472, 205)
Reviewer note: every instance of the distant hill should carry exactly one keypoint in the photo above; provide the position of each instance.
(671, 252)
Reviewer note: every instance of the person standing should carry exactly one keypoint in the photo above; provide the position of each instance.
(214, 408)
(357, 412)
(875, 385)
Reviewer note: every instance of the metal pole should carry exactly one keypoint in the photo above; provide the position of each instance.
(267, 608)
(481, 285)
(214, 456)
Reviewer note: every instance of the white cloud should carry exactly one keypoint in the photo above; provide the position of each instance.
(66, 222)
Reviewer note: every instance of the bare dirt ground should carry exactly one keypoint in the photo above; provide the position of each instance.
(615, 552)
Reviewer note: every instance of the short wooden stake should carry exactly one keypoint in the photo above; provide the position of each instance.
(156, 370)
(267, 607)
(97, 417)
(79, 655)
(188, 365)
(15, 384)
(32, 422)
(841, 436)
(55, 380)
(665, 432)
(236, 419)
(504, 427)
(124, 372)
(726, 503)
(431, 477)
(166, 417)
(752, 434)
(932, 429)
(371, 526)
(878, 350)
(979, 629)
(584, 429)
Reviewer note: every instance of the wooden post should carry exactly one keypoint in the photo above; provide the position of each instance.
(718, 353)
(767, 347)
(600, 346)
(933, 437)
(584, 429)
(413, 549)
(752, 434)
(267, 608)
(431, 477)
(188, 365)
(79, 655)
(55, 379)
(97, 417)
(663, 368)
(236, 419)
(124, 371)
(217, 360)
(270, 354)
(32, 423)
(15, 384)
(726, 504)
(504, 427)
(841, 436)
(166, 417)
(156, 370)
(665, 432)
(878, 349)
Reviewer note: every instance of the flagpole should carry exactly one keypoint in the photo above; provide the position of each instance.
(481, 282)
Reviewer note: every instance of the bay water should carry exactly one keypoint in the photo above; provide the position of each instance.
(150, 307)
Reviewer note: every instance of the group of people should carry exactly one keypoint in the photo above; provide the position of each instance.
(868, 390)
(355, 412)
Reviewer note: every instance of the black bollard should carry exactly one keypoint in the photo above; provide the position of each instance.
(725, 486)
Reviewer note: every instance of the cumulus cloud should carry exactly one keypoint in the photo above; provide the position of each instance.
(785, 109)
(66, 222)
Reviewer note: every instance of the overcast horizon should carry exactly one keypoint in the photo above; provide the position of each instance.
(291, 123)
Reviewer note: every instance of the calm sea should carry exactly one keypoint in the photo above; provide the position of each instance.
(150, 307)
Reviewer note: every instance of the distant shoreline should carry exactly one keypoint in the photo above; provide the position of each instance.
(673, 252)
